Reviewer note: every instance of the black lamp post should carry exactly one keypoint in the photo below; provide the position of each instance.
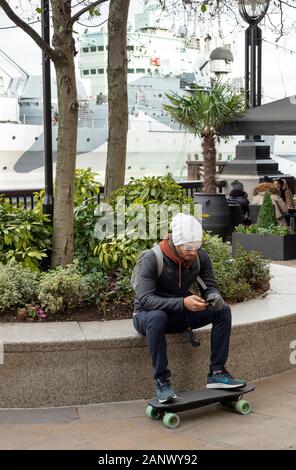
(48, 201)
(253, 154)
(253, 11)
(47, 205)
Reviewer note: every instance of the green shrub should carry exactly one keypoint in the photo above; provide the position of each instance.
(217, 249)
(237, 277)
(252, 267)
(232, 284)
(266, 223)
(120, 288)
(97, 284)
(122, 250)
(266, 217)
(86, 187)
(151, 189)
(18, 285)
(281, 230)
(63, 288)
(25, 235)
(84, 236)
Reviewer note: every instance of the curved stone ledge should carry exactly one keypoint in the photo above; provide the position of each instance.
(60, 364)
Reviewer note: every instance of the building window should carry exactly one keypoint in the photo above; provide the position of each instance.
(93, 71)
(130, 70)
(100, 48)
(130, 48)
(93, 49)
(140, 70)
(100, 71)
(85, 49)
(85, 72)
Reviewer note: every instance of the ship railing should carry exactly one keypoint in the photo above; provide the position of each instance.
(27, 198)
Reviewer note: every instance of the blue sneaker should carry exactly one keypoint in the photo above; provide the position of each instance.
(164, 390)
(222, 379)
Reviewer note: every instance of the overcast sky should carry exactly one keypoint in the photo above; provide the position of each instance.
(279, 66)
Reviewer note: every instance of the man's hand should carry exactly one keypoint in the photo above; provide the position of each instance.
(195, 303)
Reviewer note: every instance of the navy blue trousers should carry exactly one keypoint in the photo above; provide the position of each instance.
(156, 323)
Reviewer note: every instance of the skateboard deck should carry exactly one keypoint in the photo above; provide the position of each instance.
(191, 400)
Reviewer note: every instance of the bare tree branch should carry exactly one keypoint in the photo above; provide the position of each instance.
(282, 2)
(85, 9)
(51, 53)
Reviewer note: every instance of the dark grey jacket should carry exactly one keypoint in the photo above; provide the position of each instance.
(164, 293)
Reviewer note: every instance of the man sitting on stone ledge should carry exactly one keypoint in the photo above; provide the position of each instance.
(162, 280)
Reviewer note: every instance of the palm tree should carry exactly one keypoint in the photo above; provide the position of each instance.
(204, 113)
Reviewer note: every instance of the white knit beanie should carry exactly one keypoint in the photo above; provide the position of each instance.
(185, 229)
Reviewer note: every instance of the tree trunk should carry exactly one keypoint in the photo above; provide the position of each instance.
(117, 95)
(67, 134)
(209, 166)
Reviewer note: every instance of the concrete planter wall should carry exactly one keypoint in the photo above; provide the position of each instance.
(116, 366)
(275, 247)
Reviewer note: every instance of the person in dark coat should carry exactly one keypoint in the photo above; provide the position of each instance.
(164, 303)
(238, 196)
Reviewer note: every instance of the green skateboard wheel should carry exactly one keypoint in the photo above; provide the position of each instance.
(170, 420)
(243, 407)
(152, 413)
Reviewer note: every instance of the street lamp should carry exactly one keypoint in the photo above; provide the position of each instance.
(48, 200)
(47, 204)
(253, 11)
(252, 154)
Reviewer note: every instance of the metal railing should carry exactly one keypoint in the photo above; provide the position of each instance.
(25, 197)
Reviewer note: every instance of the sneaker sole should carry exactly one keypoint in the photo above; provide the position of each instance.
(226, 386)
(167, 400)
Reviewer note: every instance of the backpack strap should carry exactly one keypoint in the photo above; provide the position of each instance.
(198, 278)
(159, 259)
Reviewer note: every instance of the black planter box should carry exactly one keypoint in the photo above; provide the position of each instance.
(275, 247)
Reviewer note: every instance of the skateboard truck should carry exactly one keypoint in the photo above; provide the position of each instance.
(195, 342)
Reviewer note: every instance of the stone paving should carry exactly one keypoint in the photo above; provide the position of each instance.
(123, 425)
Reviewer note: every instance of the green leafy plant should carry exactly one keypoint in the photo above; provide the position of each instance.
(62, 288)
(252, 267)
(97, 284)
(122, 250)
(272, 230)
(239, 277)
(218, 250)
(119, 288)
(25, 235)
(86, 187)
(232, 284)
(18, 285)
